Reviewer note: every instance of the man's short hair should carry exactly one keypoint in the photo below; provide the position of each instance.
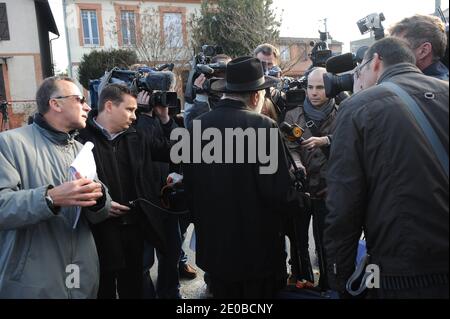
(113, 93)
(392, 51)
(48, 89)
(423, 28)
(267, 49)
(220, 57)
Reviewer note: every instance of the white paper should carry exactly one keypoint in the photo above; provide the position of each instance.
(84, 164)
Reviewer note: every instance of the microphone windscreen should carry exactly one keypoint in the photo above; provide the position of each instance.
(161, 81)
(341, 63)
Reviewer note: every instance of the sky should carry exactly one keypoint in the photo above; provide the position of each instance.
(302, 18)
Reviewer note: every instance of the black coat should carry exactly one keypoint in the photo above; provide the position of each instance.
(385, 178)
(237, 212)
(126, 167)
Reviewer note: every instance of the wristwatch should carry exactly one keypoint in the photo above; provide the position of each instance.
(50, 202)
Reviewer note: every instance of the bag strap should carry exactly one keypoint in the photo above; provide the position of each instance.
(423, 122)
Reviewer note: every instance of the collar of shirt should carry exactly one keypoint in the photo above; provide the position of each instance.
(109, 136)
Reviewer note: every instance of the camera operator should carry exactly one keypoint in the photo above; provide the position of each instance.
(268, 55)
(317, 117)
(381, 152)
(150, 124)
(124, 159)
(427, 38)
(205, 100)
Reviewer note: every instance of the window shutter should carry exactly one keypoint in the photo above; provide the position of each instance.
(4, 30)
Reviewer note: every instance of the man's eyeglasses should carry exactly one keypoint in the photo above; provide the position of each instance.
(359, 68)
(81, 99)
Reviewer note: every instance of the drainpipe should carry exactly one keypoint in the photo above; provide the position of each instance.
(51, 54)
(69, 57)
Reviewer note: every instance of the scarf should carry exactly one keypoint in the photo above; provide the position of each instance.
(318, 115)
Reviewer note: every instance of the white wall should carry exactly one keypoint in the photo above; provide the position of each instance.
(22, 48)
(22, 78)
(22, 28)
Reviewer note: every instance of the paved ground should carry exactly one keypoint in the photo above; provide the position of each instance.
(196, 289)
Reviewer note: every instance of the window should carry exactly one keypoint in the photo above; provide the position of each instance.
(90, 27)
(128, 27)
(285, 53)
(4, 29)
(173, 30)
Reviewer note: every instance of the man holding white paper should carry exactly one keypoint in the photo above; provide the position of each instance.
(42, 254)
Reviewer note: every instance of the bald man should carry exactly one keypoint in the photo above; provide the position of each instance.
(317, 118)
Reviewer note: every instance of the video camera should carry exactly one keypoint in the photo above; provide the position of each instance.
(201, 64)
(320, 52)
(335, 84)
(155, 81)
(372, 23)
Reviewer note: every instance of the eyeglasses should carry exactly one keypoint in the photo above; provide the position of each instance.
(358, 70)
(81, 99)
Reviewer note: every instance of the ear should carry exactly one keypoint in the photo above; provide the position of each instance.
(377, 64)
(108, 106)
(424, 50)
(53, 104)
(254, 99)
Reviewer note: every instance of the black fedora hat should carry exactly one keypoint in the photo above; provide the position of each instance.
(244, 74)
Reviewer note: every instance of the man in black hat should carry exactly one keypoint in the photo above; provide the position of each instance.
(237, 209)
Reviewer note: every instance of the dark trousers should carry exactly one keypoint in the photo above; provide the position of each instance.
(319, 212)
(297, 229)
(185, 221)
(125, 283)
(168, 282)
(262, 288)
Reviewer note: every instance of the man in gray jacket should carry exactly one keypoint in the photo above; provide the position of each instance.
(42, 253)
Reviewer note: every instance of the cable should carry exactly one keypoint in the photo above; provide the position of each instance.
(133, 203)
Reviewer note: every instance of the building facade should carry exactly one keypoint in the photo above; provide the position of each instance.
(156, 30)
(295, 54)
(25, 54)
